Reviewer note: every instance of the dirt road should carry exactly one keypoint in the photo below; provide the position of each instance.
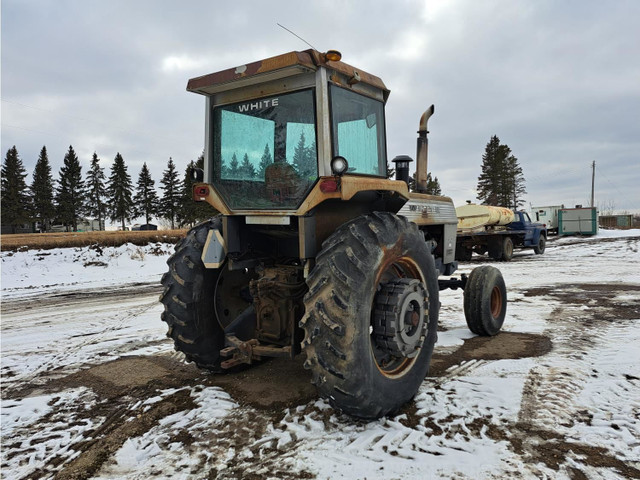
(109, 386)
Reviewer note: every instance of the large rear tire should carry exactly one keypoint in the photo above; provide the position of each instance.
(485, 301)
(371, 315)
(188, 299)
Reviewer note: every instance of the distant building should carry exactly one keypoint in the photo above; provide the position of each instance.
(616, 221)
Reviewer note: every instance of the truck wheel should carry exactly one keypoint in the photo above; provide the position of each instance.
(485, 301)
(507, 249)
(464, 254)
(371, 315)
(542, 245)
(494, 248)
(188, 300)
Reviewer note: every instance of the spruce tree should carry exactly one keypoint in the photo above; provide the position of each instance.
(96, 191)
(234, 170)
(171, 197)
(265, 161)
(246, 170)
(433, 186)
(501, 182)
(14, 201)
(304, 157)
(119, 188)
(43, 209)
(190, 211)
(70, 197)
(146, 199)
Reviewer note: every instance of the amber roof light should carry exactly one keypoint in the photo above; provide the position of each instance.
(332, 56)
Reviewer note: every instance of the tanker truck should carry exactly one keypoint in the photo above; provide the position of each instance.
(496, 231)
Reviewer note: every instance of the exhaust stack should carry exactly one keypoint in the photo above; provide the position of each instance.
(422, 151)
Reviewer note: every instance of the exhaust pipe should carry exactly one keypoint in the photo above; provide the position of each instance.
(422, 151)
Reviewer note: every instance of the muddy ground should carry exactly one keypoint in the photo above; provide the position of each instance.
(270, 388)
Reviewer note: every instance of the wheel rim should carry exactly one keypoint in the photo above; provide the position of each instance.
(389, 365)
(496, 302)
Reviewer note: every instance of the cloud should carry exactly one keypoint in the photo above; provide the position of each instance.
(557, 82)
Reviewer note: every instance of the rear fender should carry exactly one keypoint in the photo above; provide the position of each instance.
(214, 251)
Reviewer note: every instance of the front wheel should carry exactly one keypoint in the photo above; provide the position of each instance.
(485, 301)
(371, 315)
(542, 244)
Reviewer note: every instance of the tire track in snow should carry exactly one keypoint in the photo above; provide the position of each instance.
(106, 320)
(566, 395)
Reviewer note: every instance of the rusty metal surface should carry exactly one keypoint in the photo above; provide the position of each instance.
(249, 351)
(277, 298)
(307, 60)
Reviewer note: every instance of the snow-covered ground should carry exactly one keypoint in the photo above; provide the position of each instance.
(570, 412)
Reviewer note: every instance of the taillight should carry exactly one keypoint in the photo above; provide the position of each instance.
(329, 186)
(200, 192)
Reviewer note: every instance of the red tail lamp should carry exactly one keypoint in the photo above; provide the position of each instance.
(329, 186)
(200, 193)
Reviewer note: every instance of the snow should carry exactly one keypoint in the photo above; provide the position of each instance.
(65, 269)
(585, 390)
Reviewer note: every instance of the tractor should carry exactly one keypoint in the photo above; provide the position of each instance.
(315, 250)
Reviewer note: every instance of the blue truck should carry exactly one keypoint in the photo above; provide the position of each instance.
(496, 231)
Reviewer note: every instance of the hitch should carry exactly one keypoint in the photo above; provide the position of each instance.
(453, 283)
(246, 352)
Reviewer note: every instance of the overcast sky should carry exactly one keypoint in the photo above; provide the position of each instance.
(557, 81)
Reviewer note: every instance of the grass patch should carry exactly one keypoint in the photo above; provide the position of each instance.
(46, 241)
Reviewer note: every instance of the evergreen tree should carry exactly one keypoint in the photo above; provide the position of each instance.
(234, 171)
(246, 170)
(304, 158)
(501, 182)
(146, 199)
(119, 189)
(96, 192)
(192, 212)
(14, 199)
(433, 186)
(171, 197)
(265, 161)
(42, 190)
(517, 188)
(70, 195)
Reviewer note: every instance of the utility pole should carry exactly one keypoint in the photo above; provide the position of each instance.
(593, 180)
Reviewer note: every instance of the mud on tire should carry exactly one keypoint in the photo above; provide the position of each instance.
(345, 348)
(188, 299)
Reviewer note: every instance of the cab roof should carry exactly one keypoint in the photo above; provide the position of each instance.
(277, 67)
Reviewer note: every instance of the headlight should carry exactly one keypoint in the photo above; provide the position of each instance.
(339, 165)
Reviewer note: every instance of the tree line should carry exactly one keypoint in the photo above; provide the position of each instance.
(74, 196)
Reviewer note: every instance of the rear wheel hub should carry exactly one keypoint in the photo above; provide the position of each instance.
(400, 317)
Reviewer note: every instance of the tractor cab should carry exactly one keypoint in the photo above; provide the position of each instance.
(276, 126)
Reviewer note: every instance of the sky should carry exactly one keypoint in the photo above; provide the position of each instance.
(558, 82)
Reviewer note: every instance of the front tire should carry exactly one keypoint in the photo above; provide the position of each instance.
(188, 299)
(371, 315)
(485, 301)
(542, 245)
